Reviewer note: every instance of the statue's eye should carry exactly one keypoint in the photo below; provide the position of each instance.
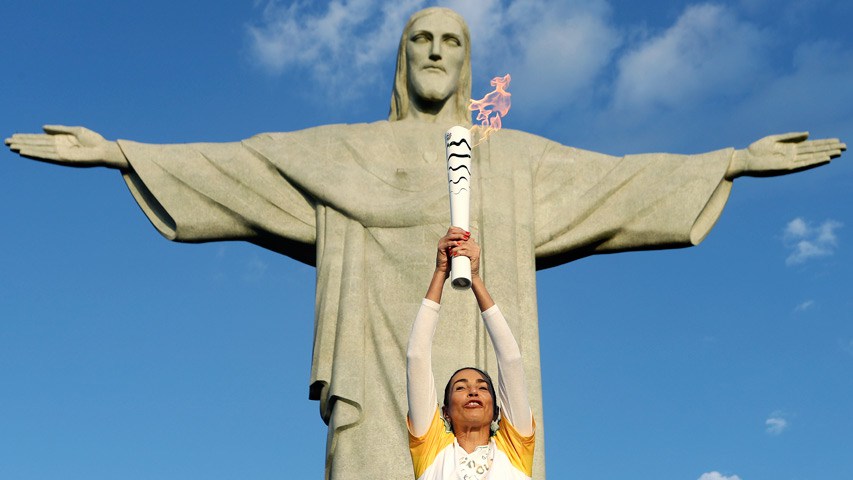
(453, 41)
(421, 38)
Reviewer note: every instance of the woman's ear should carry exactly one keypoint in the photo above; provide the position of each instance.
(446, 420)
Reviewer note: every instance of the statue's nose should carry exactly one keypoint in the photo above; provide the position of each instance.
(435, 51)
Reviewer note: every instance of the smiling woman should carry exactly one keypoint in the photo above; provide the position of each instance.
(470, 437)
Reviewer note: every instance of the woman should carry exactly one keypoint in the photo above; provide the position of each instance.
(470, 437)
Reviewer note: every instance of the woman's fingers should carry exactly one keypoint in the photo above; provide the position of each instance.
(464, 248)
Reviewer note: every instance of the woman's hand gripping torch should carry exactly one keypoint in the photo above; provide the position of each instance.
(457, 142)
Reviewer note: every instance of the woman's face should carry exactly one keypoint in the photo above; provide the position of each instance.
(471, 405)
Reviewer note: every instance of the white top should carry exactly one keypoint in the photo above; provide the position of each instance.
(435, 453)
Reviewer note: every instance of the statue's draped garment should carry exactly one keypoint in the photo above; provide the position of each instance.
(366, 205)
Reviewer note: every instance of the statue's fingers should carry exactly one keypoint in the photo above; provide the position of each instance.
(815, 159)
(825, 142)
(60, 129)
(30, 139)
(40, 153)
(829, 151)
(818, 148)
(792, 137)
(25, 137)
(834, 153)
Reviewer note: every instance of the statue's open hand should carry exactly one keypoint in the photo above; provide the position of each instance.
(781, 154)
(72, 146)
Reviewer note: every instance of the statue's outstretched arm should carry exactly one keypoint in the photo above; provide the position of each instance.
(781, 154)
(72, 146)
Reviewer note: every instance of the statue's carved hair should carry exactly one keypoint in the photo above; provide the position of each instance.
(400, 95)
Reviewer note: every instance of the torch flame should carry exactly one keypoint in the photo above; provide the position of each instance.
(491, 109)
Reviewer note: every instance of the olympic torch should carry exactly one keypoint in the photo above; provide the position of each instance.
(457, 143)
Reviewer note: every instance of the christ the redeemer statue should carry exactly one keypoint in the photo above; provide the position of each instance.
(344, 198)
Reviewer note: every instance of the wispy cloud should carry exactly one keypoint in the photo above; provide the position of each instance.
(560, 53)
(339, 42)
(709, 49)
(717, 476)
(254, 269)
(808, 242)
(847, 345)
(345, 40)
(776, 423)
(577, 63)
(806, 305)
(813, 86)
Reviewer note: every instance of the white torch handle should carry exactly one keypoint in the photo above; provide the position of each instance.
(457, 143)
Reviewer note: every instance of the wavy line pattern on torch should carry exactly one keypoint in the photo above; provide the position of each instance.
(460, 142)
(458, 159)
(457, 187)
(458, 179)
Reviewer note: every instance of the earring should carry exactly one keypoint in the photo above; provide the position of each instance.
(448, 428)
(495, 425)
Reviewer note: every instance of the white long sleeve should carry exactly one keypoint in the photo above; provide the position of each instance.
(420, 383)
(512, 388)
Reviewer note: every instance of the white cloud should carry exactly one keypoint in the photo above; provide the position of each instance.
(708, 50)
(342, 43)
(717, 476)
(802, 307)
(847, 345)
(808, 242)
(485, 19)
(561, 53)
(254, 269)
(776, 423)
(796, 228)
(572, 62)
(813, 90)
(550, 49)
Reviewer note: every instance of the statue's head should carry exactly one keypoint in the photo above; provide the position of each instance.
(433, 66)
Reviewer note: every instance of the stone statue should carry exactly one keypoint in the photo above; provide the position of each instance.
(343, 198)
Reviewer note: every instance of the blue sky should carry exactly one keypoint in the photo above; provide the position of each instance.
(123, 355)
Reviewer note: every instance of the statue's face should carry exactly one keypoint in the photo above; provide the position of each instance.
(435, 55)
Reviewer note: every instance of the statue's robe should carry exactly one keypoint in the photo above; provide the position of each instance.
(366, 205)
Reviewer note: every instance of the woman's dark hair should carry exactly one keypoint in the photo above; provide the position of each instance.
(489, 383)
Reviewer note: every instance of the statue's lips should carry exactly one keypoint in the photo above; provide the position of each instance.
(433, 68)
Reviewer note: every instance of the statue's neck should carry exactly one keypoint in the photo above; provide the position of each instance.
(433, 112)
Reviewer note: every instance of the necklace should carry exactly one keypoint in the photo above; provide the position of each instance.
(475, 465)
